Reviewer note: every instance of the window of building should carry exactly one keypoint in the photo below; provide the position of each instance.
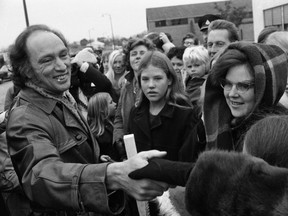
(268, 17)
(183, 21)
(285, 10)
(172, 22)
(277, 16)
(160, 23)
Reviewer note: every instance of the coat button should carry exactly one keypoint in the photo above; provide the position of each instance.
(78, 137)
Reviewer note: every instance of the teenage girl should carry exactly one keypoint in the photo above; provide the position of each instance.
(164, 119)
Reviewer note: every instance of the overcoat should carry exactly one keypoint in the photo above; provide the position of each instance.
(173, 130)
(56, 158)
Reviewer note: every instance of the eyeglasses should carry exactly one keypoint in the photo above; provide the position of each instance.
(188, 43)
(241, 87)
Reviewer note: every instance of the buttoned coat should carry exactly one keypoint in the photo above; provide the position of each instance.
(174, 130)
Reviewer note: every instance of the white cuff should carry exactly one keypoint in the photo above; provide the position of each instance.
(84, 67)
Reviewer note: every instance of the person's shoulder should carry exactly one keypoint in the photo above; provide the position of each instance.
(182, 110)
(186, 112)
(24, 114)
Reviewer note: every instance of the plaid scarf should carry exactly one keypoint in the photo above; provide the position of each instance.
(270, 67)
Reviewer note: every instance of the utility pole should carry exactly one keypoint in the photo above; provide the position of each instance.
(110, 19)
(26, 13)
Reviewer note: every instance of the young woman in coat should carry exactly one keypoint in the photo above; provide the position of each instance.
(164, 119)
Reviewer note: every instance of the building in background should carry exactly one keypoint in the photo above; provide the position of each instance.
(269, 13)
(181, 19)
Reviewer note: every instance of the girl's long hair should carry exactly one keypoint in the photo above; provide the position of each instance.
(98, 112)
(175, 95)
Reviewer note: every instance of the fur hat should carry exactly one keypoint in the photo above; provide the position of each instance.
(234, 184)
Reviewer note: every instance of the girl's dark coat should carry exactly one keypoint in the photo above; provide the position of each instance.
(174, 130)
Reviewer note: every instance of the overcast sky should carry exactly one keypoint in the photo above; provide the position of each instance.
(78, 19)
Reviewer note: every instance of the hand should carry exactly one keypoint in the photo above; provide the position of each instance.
(167, 44)
(85, 55)
(106, 158)
(164, 37)
(172, 172)
(120, 148)
(144, 189)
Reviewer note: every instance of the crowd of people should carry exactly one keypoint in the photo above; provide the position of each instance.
(208, 117)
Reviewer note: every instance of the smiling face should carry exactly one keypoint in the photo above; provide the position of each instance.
(136, 54)
(118, 65)
(216, 40)
(50, 61)
(154, 84)
(240, 104)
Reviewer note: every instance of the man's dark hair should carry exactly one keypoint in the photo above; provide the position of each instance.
(19, 55)
(176, 52)
(222, 25)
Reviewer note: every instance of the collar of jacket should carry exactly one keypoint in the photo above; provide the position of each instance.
(48, 105)
(143, 112)
(45, 104)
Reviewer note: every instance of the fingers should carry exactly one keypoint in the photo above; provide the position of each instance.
(152, 154)
(88, 49)
(161, 185)
(148, 189)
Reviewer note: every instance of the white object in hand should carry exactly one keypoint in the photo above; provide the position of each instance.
(131, 150)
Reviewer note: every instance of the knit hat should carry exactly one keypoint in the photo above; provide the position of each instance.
(229, 183)
(270, 66)
(85, 55)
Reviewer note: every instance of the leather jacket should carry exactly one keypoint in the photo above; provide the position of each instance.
(56, 159)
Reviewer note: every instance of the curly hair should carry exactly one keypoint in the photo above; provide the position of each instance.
(132, 43)
(192, 36)
(19, 55)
